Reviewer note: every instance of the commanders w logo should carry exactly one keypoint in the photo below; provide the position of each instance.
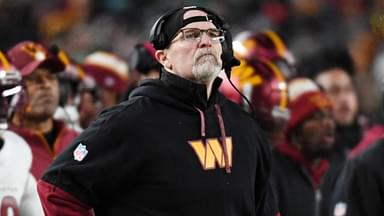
(212, 152)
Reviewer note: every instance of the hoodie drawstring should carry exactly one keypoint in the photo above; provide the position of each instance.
(222, 134)
(202, 123)
(223, 138)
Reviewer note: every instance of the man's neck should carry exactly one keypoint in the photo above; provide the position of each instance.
(209, 84)
(209, 89)
(34, 126)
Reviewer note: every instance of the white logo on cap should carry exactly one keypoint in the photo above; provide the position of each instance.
(40, 56)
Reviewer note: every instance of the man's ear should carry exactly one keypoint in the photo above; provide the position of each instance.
(161, 56)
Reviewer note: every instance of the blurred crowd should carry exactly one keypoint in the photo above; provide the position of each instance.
(84, 26)
(313, 72)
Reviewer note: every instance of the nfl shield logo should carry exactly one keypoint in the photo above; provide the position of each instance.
(80, 152)
(340, 209)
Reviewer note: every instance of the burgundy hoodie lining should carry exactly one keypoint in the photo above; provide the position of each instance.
(202, 122)
(223, 138)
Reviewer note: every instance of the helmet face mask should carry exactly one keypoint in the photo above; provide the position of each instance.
(10, 88)
(9, 79)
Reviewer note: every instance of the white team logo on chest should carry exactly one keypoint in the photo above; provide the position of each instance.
(80, 152)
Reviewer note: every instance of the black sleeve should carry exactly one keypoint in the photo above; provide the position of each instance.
(109, 158)
(363, 191)
(360, 187)
(263, 190)
(270, 206)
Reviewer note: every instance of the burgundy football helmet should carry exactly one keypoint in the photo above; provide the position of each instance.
(261, 76)
(263, 83)
(265, 46)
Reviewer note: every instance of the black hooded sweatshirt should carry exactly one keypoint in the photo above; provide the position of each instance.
(360, 188)
(162, 153)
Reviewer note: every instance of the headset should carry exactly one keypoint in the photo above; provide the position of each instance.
(161, 40)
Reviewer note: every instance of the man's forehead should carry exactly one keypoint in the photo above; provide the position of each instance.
(201, 24)
(192, 13)
(40, 71)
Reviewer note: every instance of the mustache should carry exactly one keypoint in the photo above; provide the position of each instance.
(201, 53)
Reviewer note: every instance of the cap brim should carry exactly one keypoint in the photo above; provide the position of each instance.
(54, 65)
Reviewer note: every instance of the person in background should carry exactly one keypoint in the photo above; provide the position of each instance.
(302, 176)
(109, 75)
(46, 137)
(333, 70)
(142, 65)
(177, 146)
(70, 81)
(360, 187)
(89, 104)
(18, 194)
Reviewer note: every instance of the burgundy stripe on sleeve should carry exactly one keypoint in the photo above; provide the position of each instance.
(56, 201)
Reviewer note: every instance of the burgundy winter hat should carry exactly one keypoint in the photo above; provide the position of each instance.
(108, 70)
(305, 99)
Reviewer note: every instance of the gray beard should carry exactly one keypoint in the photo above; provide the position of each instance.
(205, 68)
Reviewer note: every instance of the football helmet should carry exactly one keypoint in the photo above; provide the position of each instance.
(264, 85)
(262, 76)
(10, 85)
(265, 46)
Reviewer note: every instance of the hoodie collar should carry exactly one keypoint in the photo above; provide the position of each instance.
(190, 92)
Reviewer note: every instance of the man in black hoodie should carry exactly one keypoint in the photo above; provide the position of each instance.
(177, 146)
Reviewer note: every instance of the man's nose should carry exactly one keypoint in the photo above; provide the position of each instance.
(329, 122)
(205, 41)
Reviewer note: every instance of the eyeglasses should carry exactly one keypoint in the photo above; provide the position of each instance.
(195, 34)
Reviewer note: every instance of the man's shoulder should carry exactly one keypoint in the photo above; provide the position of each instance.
(372, 155)
(124, 112)
(129, 108)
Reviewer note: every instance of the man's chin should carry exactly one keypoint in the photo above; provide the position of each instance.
(205, 74)
(345, 122)
(39, 116)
